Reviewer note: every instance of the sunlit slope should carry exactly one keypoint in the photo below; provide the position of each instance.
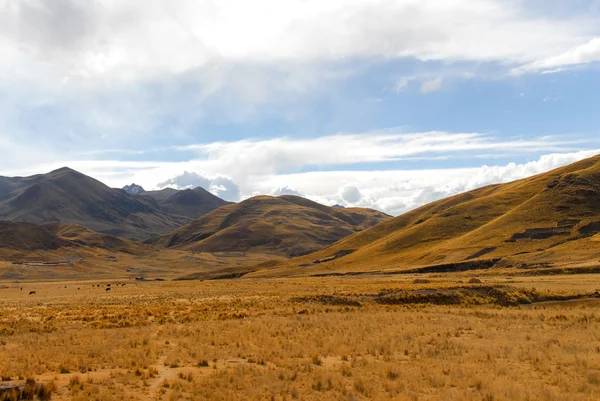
(84, 236)
(285, 226)
(539, 218)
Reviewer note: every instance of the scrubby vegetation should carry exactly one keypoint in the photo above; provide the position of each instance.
(312, 339)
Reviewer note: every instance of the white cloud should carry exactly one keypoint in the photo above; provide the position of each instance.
(432, 86)
(247, 158)
(238, 169)
(399, 191)
(92, 74)
(221, 186)
(581, 54)
(284, 190)
(350, 194)
(80, 42)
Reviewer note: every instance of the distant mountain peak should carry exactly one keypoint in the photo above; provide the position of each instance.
(133, 189)
(338, 206)
(61, 170)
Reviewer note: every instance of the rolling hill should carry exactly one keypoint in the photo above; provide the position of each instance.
(549, 220)
(68, 196)
(285, 226)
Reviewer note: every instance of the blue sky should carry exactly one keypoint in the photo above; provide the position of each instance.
(385, 104)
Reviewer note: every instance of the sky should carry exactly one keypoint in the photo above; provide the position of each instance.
(383, 104)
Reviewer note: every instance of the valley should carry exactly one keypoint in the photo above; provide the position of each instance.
(492, 294)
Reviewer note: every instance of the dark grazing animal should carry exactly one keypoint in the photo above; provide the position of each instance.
(32, 293)
(108, 289)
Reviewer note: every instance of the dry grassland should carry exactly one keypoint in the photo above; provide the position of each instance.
(308, 339)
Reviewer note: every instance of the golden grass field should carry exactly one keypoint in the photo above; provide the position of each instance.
(306, 338)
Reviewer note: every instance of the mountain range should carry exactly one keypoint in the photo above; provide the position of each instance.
(549, 222)
(67, 196)
(47, 211)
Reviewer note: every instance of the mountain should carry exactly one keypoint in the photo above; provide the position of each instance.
(283, 226)
(68, 196)
(190, 203)
(133, 189)
(550, 220)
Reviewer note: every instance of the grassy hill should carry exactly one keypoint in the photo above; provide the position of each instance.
(284, 226)
(549, 220)
(58, 251)
(28, 237)
(68, 196)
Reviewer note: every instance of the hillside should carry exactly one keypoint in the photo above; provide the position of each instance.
(284, 226)
(58, 251)
(18, 236)
(548, 220)
(28, 237)
(68, 196)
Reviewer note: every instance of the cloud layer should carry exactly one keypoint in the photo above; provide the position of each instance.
(342, 169)
(399, 191)
(90, 42)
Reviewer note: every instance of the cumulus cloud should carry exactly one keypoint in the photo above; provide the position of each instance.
(350, 194)
(398, 191)
(284, 190)
(221, 186)
(432, 86)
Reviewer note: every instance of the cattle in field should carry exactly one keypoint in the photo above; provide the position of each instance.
(108, 289)
(32, 293)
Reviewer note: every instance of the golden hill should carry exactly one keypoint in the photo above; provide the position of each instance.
(547, 220)
(57, 251)
(284, 226)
